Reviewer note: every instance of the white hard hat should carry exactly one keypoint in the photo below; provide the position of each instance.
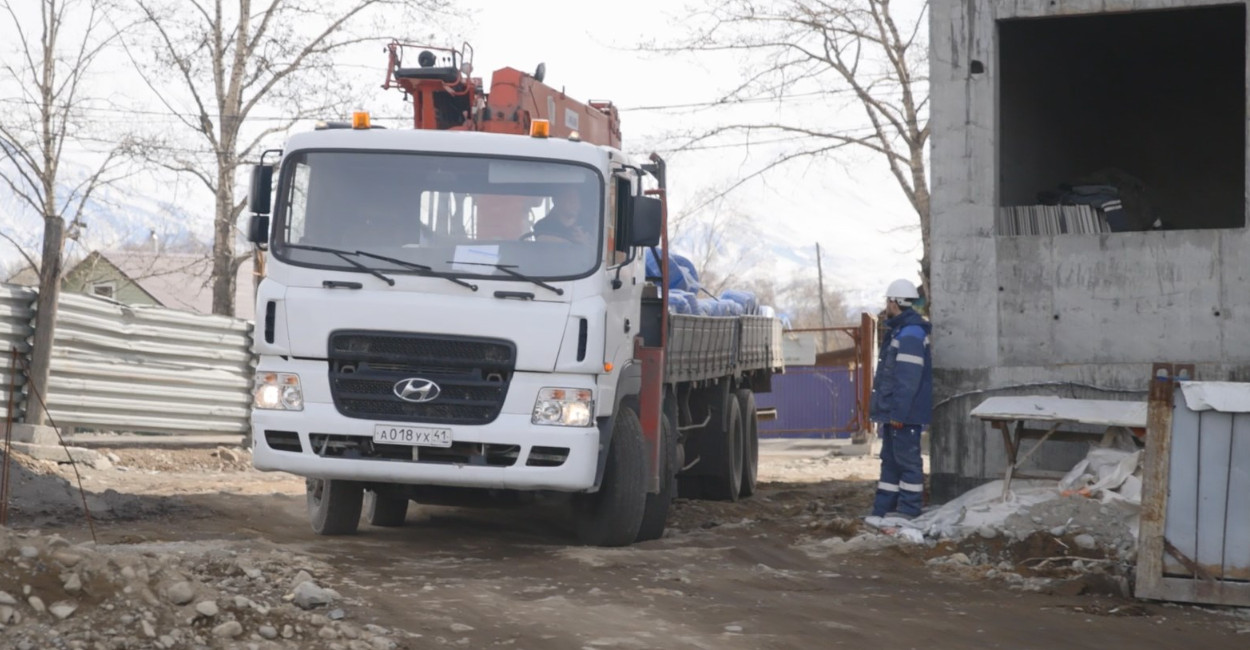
(903, 292)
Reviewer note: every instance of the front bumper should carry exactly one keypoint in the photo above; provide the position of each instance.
(531, 462)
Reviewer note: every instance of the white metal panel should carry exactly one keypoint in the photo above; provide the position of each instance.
(1237, 527)
(148, 369)
(1214, 462)
(16, 312)
(1226, 396)
(1208, 506)
(1181, 527)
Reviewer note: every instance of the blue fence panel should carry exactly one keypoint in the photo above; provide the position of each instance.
(810, 402)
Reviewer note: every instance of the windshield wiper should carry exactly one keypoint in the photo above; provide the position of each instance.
(418, 267)
(344, 256)
(508, 268)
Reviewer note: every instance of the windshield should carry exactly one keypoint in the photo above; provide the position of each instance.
(457, 215)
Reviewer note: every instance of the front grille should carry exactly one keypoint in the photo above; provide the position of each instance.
(452, 351)
(472, 375)
(459, 453)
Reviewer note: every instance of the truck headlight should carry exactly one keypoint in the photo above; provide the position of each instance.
(277, 391)
(564, 407)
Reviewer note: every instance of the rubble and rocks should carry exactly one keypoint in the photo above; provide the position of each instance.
(193, 595)
(1075, 536)
(44, 493)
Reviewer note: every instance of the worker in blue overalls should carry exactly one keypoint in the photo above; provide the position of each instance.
(902, 402)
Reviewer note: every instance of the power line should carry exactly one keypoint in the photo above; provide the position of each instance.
(736, 102)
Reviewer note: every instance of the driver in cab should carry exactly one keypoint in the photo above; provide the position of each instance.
(567, 219)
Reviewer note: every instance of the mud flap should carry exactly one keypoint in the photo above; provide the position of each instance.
(628, 385)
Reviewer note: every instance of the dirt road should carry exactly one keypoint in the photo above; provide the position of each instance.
(769, 572)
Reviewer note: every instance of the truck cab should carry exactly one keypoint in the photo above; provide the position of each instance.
(444, 310)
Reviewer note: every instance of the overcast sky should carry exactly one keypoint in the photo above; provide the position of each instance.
(851, 205)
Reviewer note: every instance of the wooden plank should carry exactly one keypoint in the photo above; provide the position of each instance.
(1045, 408)
(1197, 591)
(1154, 484)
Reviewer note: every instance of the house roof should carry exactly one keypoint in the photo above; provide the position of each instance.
(27, 277)
(181, 281)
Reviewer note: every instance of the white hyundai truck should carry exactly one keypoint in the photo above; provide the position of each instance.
(420, 338)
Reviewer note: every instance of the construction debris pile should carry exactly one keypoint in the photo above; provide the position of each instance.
(54, 594)
(1038, 534)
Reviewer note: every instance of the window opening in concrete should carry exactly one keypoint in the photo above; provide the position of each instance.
(1122, 122)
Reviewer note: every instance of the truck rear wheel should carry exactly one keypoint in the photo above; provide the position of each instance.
(750, 442)
(333, 505)
(385, 509)
(613, 515)
(655, 513)
(725, 480)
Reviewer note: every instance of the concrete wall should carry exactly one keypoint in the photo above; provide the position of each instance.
(1073, 315)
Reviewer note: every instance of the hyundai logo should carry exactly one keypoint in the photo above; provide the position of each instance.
(417, 390)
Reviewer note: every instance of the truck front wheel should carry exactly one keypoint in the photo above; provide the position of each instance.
(613, 515)
(385, 509)
(334, 505)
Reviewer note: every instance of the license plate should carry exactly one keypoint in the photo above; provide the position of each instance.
(417, 436)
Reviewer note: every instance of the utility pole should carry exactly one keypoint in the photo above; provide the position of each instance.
(824, 313)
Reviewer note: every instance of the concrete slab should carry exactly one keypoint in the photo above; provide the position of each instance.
(33, 433)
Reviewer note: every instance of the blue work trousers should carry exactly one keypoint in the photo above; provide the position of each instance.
(901, 488)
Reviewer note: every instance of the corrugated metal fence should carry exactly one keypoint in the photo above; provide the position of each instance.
(148, 369)
(16, 312)
(811, 402)
(1195, 534)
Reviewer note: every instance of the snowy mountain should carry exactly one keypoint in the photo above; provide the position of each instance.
(129, 212)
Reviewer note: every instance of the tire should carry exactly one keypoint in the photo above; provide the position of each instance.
(655, 512)
(334, 505)
(385, 510)
(613, 515)
(750, 442)
(725, 480)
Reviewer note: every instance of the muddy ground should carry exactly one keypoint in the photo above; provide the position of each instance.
(787, 568)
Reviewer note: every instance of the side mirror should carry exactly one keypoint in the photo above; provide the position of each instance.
(258, 197)
(258, 229)
(647, 221)
(624, 214)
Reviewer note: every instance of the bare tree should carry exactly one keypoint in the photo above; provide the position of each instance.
(57, 44)
(720, 240)
(801, 299)
(868, 54)
(214, 64)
